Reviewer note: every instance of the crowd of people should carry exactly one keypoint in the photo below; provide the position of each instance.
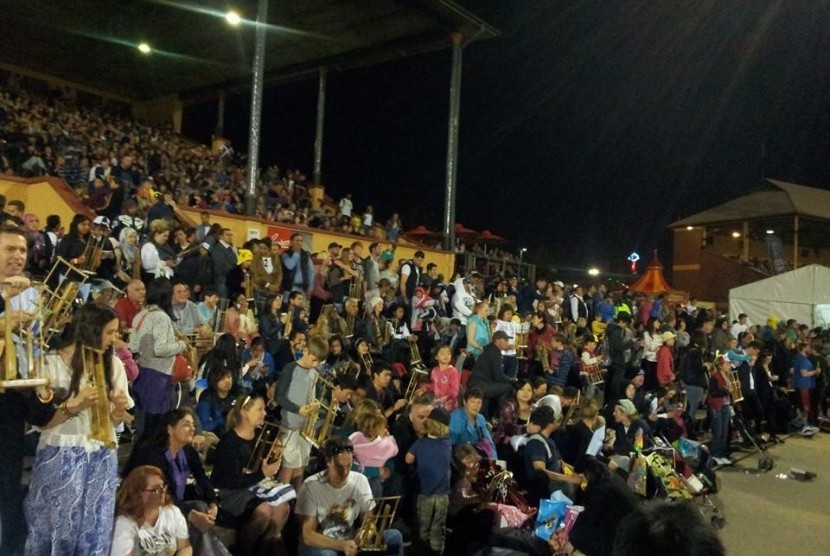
(107, 157)
(424, 384)
(322, 403)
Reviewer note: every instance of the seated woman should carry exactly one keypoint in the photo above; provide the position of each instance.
(632, 434)
(513, 418)
(337, 360)
(262, 521)
(258, 368)
(363, 357)
(240, 321)
(148, 523)
(225, 355)
(467, 425)
(216, 401)
(170, 450)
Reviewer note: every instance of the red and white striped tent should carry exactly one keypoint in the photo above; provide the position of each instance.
(653, 280)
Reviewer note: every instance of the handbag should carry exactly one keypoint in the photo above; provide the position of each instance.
(182, 369)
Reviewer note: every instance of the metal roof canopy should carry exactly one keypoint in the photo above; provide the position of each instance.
(195, 52)
(780, 199)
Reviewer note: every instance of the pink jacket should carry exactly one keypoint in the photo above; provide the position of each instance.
(445, 383)
(373, 453)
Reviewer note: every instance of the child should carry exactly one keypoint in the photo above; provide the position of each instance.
(444, 380)
(420, 303)
(373, 446)
(588, 359)
(432, 455)
(295, 395)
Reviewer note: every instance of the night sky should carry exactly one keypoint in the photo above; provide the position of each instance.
(586, 128)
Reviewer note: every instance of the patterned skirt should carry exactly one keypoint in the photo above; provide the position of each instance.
(70, 507)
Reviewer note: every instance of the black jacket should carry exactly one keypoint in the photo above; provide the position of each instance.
(489, 367)
(607, 502)
(617, 344)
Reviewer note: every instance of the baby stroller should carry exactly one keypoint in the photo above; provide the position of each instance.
(663, 481)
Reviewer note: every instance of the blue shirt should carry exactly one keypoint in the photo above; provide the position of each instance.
(432, 462)
(464, 432)
(801, 363)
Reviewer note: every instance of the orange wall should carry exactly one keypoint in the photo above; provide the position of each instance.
(243, 227)
(44, 196)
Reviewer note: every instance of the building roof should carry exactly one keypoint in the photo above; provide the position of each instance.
(195, 51)
(780, 199)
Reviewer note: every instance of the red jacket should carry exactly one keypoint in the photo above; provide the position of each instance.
(665, 365)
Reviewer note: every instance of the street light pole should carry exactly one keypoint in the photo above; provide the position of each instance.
(521, 254)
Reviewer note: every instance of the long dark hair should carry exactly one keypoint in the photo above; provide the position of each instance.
(225, 353)
(88, 325)
(73, 226)
(160, 437)
(160, 293)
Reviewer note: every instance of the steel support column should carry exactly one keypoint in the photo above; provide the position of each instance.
(318, 136)
(452, 144)
(220, 116)
(795, 242)
(256, 108)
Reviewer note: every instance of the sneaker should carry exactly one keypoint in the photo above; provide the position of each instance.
(808, 431)
(723, 461)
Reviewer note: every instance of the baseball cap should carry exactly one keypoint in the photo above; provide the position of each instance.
(101, 221)
(441, 415)
(500, 335)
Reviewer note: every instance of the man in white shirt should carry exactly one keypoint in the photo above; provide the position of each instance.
(346, 207)
(740, 326)
(333, 502)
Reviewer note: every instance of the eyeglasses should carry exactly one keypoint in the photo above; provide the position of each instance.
(158, 490)
(337, 450)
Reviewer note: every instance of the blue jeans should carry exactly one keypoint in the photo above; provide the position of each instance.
(719, 420)
(694, 397)
(392, 538)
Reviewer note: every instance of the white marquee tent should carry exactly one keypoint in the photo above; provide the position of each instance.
(802, 294)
